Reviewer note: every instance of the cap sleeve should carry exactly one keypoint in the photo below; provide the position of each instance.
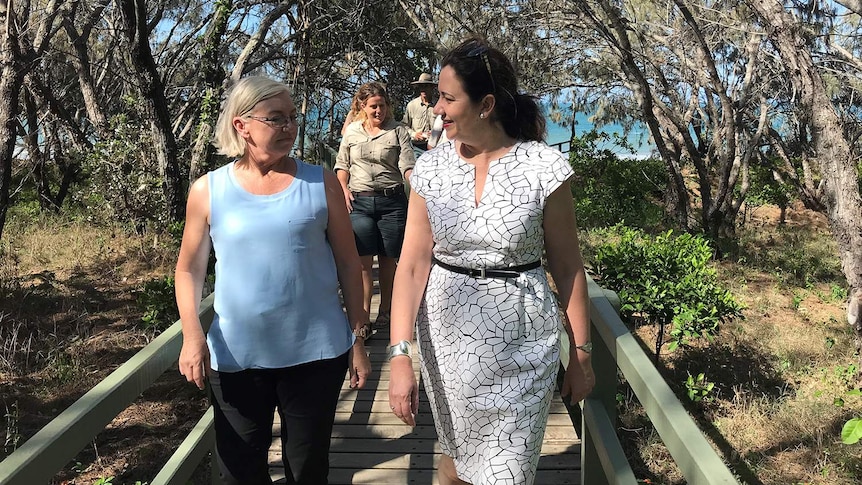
(556, 170)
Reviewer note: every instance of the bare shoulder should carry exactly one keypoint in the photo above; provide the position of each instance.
(200, 188)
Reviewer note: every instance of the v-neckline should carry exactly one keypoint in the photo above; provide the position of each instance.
(477, 194)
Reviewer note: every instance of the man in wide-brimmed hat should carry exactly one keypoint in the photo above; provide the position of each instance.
(419, 114)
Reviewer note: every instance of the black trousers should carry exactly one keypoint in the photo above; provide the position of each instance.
(244, 403)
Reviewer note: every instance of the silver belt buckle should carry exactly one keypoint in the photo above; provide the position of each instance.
(482, 273)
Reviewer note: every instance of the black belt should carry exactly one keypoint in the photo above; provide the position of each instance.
(387, 192)
(510, 272)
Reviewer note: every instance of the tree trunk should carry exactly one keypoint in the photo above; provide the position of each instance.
(36, 156)
(676, 197)
(11, 79)
(81, 62)
(155, 106)
(211, 82)
(837, 164)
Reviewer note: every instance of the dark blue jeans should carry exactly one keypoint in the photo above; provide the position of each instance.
(244, 403)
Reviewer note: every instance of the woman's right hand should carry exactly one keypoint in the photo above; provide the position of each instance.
(348, 200)
(195, 360)
(403, 389)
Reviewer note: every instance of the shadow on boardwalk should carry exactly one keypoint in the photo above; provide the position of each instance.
(372, 446)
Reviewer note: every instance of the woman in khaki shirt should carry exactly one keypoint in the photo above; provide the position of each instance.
(374, 159)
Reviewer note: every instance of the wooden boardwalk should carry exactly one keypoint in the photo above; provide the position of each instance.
(372, 446)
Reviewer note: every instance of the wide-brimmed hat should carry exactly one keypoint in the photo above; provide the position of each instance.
(425, 78)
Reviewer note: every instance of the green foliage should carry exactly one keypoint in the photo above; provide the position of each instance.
(122, 177)
(792, 255)
(765, 189)
(158, 303)
(664, 279)
(608, 190)
(838, 293)
(104, 481)
(851, 433)
(698, 388)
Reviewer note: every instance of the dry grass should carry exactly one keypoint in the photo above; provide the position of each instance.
(782, 376)
(68, 317)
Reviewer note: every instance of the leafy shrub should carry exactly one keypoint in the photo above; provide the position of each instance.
(609, 190)
(122, 179)
(698, 388)
(793, 255)
(765, 189)
(664, 279)
(158, 303)
(851, 433)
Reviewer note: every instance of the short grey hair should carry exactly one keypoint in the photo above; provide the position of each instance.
(241, 99)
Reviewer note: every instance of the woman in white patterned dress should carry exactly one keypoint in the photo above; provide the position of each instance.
(484, 209)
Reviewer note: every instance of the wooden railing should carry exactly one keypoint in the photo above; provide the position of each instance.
(603, 461)
(614, 347)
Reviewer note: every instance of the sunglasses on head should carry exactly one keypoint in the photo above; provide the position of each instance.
(482, 51)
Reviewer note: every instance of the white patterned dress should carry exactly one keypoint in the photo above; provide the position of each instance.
(489, 348)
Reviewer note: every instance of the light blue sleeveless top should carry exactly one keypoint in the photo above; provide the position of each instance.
(276, 287)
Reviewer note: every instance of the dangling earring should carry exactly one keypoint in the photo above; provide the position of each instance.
(482, 116)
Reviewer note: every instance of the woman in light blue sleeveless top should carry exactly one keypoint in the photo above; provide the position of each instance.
(280, 339)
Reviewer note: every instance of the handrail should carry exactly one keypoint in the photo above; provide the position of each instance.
(697, 460)
(52, 447)
(603, 461)
(562, 146)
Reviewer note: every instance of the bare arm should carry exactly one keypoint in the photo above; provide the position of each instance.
(411, 277)
(189, 279)
(342, 171)
(340, 234)
(567, 268)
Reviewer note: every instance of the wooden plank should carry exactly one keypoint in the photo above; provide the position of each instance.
(389, 476)
(363, 446)
(372, 446)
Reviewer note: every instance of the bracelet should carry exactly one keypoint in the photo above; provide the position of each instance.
(403, 347)
(587, 347)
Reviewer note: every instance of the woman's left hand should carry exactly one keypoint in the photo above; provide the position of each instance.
(360, 365)
(579, 378)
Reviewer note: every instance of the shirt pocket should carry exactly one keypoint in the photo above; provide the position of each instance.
(300, 232)
(390, 151)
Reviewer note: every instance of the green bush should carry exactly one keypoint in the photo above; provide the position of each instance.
(158, 303)
(664, 279)
(609, 190)
(121, 177)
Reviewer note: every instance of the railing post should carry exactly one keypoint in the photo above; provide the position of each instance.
(214, 474)
(605, 392)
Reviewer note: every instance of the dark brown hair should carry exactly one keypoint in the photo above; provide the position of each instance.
(485, 70)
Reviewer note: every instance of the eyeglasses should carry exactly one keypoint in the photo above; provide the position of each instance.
(277, 122)
(482, 51)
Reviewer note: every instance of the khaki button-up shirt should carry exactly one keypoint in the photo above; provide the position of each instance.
(418, 116)
(375, 162)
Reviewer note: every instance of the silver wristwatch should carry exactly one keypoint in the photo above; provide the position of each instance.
(401, 348)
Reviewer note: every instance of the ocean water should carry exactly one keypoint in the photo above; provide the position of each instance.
(637, 137)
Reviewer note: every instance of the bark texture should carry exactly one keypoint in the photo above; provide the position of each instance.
(833, 153)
